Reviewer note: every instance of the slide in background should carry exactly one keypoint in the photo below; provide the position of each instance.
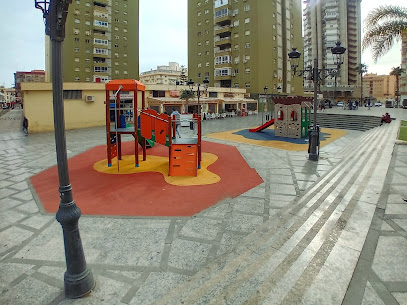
(264, 126)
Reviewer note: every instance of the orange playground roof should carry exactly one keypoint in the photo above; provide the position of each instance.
(128, 85)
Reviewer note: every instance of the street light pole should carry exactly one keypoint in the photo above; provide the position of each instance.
(78, 279)
(190, 83)
(338, 50)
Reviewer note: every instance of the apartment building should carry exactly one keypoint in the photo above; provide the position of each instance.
(379, 87)
(164, 75)
(101, 41)
(26, 77)
(244, 43)
(325, 23)
(403, 77)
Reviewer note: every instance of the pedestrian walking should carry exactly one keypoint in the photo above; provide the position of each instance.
(25, 126)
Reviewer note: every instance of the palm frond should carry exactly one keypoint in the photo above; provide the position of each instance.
(385, 13)
(381, 38)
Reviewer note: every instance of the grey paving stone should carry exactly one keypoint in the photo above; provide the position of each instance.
(11, 271)
(217, 211)
(12, 237)
(401, 297)
(20, 186)
(396, 209)
(386, 227)
(5, 192)
(258, 191)
(155, 286)
(10, 217)
(281, 179)
(24, 195)
(4, 184)
(29, 207)
(243, 223)
(251, 205)
(284, 189)
(228, 242)
(402, 223)
(37, 221)
(20, 177)
(371, 297)
(30, 291)
(200, 227)
(188, 255)
(389, 261)
(395, 198)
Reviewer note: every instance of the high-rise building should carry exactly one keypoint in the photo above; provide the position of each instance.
(163, 75)
(102, 41)
(244, 43)
(325, 23)
(23, 77)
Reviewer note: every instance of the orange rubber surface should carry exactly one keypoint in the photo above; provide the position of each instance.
(147, 193)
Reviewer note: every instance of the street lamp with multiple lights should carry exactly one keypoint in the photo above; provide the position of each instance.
(78, 279)
(315, 73)
(199, 92)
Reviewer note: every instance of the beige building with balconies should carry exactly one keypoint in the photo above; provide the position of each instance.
(164, 75)
(379, 87)
(325, 23)
(244, 44)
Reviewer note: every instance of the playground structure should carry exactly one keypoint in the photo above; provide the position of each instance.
(292, 117)
(147, 129)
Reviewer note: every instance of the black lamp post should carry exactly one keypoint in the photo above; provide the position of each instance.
(199, 92)
(294, 55)
(78, 279)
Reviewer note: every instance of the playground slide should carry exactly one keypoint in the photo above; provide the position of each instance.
(148, 142)
(264, 126)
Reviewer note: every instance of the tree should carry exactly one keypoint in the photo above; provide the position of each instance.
(186, 95)
(361, 69)
(397, 71)
(384, 25)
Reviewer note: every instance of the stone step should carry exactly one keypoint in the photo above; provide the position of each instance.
(308, 251)
(343, 121)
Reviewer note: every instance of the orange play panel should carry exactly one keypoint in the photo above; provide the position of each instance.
(145, 193)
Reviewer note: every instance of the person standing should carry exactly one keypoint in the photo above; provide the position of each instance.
(25, 126)
(176, 117)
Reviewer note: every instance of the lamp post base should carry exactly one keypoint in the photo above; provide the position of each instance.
(77, 286)
(314, 145)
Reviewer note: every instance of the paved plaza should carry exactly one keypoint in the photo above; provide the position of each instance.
(326, 232)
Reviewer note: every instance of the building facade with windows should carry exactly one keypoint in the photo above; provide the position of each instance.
(101, 41)
(325, 23)
(244, 43)
(26, 77)
(379, 87)
(164, 75)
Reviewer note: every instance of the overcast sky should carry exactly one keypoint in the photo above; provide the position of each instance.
(163, 37)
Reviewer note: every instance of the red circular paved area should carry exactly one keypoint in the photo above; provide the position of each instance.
(145, 194)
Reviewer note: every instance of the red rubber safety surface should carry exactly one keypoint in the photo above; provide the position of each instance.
(145, 194)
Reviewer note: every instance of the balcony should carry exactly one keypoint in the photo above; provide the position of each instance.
(221, 52)
(223, 77)
(223, 29)
(223, 42)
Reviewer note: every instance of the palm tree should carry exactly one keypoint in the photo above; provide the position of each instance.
(397, 71)
(361, 69)
(186, 95)
(384, 25)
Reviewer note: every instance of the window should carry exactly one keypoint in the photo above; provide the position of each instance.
(223, 59)
(116, 45)
(236, 23)
(100, 23)
(223, 71)
(207, 21)
(199, 14)
(246, 8)
(87, 70)
(73, 94)
(247, 20)
(77, 12)
(247, 33)
(199, 54)
(76, 39)
(236, 35)
(76, 31)
(88, 79)
(125, 72)
(247, 45)
(207, 52)
(247, 85)
(247, 70)
(87, 60)
(116, 19)
(116, 36)
(199, 75)
(199, 24)
(199, 3)
(76, 69)
(77, 21)
(87, 22)
(76, 49)
(207, 42)
(87, 33)
(100, 69)
(76, 59)
(100, 51)
(207, 64)
(199, 44)
(199, 65)
(199, 33)
(116, 63)
(87, 41)
(206, 11)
